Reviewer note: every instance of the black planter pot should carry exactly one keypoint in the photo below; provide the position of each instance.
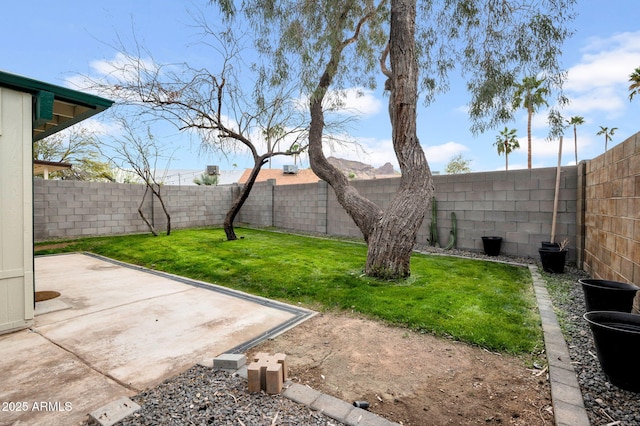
(604, 295)
(553, 259)
(491, 245)
(547, 244)
(617, 339)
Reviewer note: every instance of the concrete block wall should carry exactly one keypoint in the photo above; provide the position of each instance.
(258, 208)
(73, 209)
(190, 206)
(612, 213)
(67, 209)
(301, 207)
(599, 209)
(516, 206)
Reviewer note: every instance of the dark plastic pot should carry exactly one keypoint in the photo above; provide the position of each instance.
(617, 339)
(553, 259)
(603, 295)
(491, 245)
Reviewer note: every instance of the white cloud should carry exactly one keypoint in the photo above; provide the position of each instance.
(98, 127)
(443, 153)
(354, 101)
(375, 152)
(121, 70)
(605, 99)
(599, 81)
(123, 67)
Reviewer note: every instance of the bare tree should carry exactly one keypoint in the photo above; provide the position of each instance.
(141, 154)
(228, 117)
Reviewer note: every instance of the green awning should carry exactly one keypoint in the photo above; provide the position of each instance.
(54, 107)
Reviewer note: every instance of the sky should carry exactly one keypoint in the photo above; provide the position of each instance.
(57, 42)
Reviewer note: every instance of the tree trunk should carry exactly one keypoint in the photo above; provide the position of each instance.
(390, 234)
(164, 209)
(575, 142)
(554, 216)
(394, 234)
(529, 115)
(244, 194)
(141, 213)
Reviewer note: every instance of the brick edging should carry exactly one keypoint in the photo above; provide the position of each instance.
(566, 397)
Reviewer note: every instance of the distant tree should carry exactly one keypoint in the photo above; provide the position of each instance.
(506, 142)
(458, 165)
(79, 147)
(608, 133)
(634, 79)
(530, 95)
(575, 121)
(206, 179)
(141, 154)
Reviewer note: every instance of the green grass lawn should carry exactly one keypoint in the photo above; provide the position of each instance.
(484, 303)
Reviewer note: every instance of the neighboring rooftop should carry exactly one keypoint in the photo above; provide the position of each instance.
(281, 178)
(43, 168)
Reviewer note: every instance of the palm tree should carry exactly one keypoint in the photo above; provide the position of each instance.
(608, 133)
(634, 79)
(506, 142)
(530, 96)
(575, 122)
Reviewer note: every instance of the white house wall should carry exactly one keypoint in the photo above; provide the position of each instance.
(16, 220)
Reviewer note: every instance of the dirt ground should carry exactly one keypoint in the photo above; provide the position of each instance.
(413, 378)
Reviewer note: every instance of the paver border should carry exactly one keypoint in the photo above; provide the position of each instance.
(566, 396)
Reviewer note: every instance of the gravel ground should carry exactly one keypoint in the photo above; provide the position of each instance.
(201, 396)
(606, 404)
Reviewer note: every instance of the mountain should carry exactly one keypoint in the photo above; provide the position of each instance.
(358, 170)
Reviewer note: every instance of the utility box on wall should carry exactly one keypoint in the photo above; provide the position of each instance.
(16, 218)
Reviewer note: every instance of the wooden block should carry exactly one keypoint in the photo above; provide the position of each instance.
(267, 372)
(260, 356)
(282, 359)
(253, 377)
(274, 378)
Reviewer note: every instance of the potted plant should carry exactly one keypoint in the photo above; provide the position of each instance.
(553, 257)
(491, 245)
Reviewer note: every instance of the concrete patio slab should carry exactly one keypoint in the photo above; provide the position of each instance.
(117, 329)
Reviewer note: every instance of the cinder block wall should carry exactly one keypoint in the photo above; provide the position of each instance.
(612, 213)
(65, 209)
(515, 205)
(301, 207)
(257, 210)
